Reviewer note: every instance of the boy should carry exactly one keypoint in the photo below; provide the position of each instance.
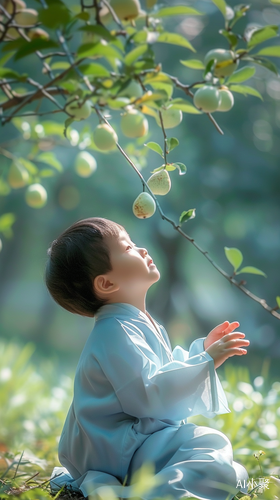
(132, 392)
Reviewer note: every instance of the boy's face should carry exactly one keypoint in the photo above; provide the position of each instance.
(132, 267)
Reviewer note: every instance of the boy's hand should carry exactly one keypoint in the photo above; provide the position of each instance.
(219, 331)
(222, 343)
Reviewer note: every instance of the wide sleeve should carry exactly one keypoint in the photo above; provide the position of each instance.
(197, 347)
(144, 388)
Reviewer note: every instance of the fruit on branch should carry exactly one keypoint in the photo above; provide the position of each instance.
(126, 9)
(144, 206)
(225, 64)
(11, 33)
(160, 182)
(227, 100)
(78, 109)
(134, 124)
(171, 117)
(19, 4)
(105, 137)
(36, 196)
(207, 98)
(18, 176)
(133, 89)
(85, 164)
(35, 33)
(26, 17)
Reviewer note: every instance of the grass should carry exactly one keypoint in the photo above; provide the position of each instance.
(31, 426)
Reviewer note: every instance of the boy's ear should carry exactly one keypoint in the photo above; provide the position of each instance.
(103, 286)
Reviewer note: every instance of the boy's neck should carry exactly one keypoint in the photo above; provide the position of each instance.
(139, 303)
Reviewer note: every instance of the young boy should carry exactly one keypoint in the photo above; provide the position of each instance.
(132, 392)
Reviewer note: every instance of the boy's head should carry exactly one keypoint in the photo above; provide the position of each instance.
(76, 257)
(94, 262)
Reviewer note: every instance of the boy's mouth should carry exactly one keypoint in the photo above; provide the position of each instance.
(150, 262)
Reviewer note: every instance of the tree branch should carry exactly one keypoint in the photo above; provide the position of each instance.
(177, 228)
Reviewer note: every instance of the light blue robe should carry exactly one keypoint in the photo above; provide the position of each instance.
(132, 396)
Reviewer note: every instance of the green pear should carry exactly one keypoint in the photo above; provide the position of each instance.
(134, 124)
(8, 5)
(225, 64)
(18, 176)
(227, 100)
(207, 98)
(36, 33)
(105, 137)
(133, 89)
(160, 182)
(85, 164)
(144, 206)
(77, 110)
(171, 117)
(26, 17)
(36, 196)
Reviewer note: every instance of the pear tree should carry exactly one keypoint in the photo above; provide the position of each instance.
(98, 67)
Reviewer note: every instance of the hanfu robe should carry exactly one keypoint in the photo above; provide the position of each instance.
(132, 397)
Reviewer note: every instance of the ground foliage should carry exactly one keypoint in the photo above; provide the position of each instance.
(36, 406)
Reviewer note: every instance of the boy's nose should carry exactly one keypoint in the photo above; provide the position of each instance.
(143, 252)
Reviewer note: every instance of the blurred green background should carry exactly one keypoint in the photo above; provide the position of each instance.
(233, 181)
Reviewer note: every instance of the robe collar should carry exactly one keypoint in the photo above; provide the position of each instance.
(124, 309)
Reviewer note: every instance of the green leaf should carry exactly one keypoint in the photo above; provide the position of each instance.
(181, 167)
(84, 16)
(242, 75)
(278, 301)
(231, 37)
(262, 34)
(170, 167)
(163, 86)
(177, 10)
(31, 47)
(100, 31)
(234, 256)
(67, 124)
(251, 270)
(187, 215)
(158, 169)
(270, 51)
(244, 89)
(184, 106)
(135, 53)
(49, 158)
(10, 73)
(46, 172)
(94, 69)
(171, 143)
(175, 39)
(60, 65)
(155, 147)
(263, 62)
(29, 165)
(140, 36)
(53, 128)
(121, 102)
(193, 63)
(98, 50)
(6, 222)
(13, 45)
(55, 15)
(221, 4)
